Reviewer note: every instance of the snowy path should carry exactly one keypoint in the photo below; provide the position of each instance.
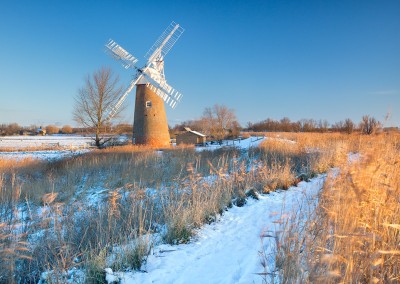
(226, 251)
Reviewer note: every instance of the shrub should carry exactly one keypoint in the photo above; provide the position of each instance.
(52, 129)
(67, 129)
(369, 125)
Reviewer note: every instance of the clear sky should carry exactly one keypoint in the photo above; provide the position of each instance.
(299, 59)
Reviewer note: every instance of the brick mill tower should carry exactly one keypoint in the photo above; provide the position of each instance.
(152, 90)
(150, 122)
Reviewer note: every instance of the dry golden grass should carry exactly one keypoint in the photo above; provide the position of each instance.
(354, 235)
(127, 149)
(32, 148)
(12, 248)
(7, 165)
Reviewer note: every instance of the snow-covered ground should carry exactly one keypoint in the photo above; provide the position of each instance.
(239, 143)
(63, 141)
(227, 251)
(20, 147)
(49, 155)
(67, 145)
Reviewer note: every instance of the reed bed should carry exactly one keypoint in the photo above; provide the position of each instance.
(9, 165)
(107, 208)
(353, 236)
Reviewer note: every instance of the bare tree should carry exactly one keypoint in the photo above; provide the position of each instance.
(219, 121)
(348, 126)
(308, 125)
(323, 125)
(99, 94)
(369, 124)
(338, 126)
(285, 124)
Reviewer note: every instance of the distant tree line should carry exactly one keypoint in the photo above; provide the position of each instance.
(10, 129)
(220, 122)
(286, 125)
(15, 129)
(217, 122)
(367, 125)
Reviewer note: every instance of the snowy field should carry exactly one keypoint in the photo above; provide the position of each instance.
(68, 146)
(48, 155)
(62, 141)
(62, 146)
(239, 143)
(227, 251)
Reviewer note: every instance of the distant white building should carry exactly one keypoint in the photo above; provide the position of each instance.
(41, 131)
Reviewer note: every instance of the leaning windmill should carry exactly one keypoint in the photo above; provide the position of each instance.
(150, 119)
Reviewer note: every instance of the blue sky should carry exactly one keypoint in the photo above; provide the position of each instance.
(298, 59)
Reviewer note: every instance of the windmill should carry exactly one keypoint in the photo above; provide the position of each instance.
(152, 91)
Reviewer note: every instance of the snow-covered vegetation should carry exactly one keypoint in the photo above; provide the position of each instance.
(133, 214)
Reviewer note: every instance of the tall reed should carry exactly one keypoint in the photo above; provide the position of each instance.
(354, 234)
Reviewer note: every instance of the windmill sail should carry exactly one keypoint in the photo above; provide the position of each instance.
(165, 42)
(171, 99)
(154, 77)
(120, 54)
(114, 110)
